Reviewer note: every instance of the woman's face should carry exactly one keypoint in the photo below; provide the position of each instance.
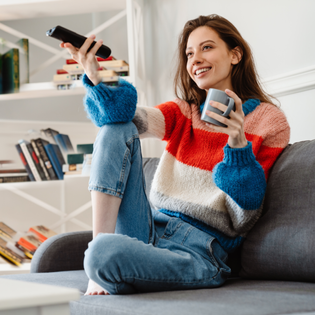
(209, 62)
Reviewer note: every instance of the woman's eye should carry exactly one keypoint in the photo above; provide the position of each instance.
(188, 54)
(207, 47)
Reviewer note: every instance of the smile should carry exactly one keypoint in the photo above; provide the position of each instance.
(197, 72)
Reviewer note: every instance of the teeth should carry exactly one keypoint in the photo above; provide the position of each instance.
(202, 70)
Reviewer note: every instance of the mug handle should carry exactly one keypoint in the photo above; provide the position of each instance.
(230, 107)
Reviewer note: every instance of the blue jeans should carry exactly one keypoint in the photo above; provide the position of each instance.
(149, 251)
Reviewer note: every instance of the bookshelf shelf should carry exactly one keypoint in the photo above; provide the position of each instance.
(8, 269)
(27, 9)
(45, 89)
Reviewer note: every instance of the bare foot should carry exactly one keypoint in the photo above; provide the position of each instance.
(95, 289)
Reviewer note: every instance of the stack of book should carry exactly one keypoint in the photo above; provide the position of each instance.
(42, 159)
(14, 66)
(110, 70)
(79, 163)
(48, 159)
(17, 247)
(8, 174)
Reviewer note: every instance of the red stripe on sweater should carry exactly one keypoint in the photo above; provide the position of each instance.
(191, 147)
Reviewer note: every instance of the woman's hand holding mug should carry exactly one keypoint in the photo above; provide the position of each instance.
(218, 112)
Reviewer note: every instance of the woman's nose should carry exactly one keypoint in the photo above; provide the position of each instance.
(197, 58)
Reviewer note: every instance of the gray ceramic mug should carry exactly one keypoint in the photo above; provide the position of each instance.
(221, 97)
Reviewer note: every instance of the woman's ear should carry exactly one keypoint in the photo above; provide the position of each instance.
(237, 55)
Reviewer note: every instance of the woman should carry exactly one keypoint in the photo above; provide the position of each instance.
(209, 186)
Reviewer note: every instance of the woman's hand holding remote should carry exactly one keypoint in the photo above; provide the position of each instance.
(86, 59)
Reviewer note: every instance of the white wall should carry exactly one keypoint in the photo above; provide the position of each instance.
(280, 33)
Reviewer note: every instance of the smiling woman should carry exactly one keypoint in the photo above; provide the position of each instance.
(218, 44)
(209, 186)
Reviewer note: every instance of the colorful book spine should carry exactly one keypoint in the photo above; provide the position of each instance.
(86, 148)
(36, 161)
(56, 158)
(29, 160)
(11, 71)
(10, 254)
(41, 162)
(64, 143)
(24, 61)
(42, 152)
(27, 167)
(72, 61)
(1, 75)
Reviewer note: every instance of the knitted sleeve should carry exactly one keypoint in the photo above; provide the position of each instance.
(109, 105)
(158, 121)
(242, 175)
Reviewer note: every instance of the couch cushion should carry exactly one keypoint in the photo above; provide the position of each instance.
(236, 297)
(282, 243)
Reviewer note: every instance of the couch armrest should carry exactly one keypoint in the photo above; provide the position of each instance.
(61, 252)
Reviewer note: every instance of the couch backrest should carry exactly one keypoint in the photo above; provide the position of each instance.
(282, 243)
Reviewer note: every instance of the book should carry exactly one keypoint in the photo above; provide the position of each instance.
(72, 167)
(1, 75)
(42, 232)
(14, 179)
(6, 232)
(41, 161)
(113, 63)
(76, 158)
(62, 78)
(56, 158)
(10, 71)
(64, 143)
(24, 61)
(85, 148)
(30, 242)
(77, 68)
(12, 171)
(121, 71)
(40, 143)
(23, 159)
(72, 61)
(29, 159)
(11, 253)
(49, 134)
(61, 71)
(36, 161)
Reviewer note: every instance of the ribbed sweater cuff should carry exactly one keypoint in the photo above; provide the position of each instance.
(239, 156)
(97, 92)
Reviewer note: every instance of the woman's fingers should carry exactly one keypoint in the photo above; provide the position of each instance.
(71, 49)
(86, 45)
(237, 100)
(96, 47)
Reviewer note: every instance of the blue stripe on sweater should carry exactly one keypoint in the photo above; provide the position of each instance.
(229, 244)
(241, 177)
(248, 107)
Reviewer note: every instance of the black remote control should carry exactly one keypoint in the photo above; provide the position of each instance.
(76, 40)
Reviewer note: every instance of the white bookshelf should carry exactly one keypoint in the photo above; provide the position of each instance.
(46, 89)
(28, 9)
(10, 269)
(55, 203)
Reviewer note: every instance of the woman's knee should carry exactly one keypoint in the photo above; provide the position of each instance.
(123, 131)
(104, 254)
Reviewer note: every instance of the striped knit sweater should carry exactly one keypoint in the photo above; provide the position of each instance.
(200, 178)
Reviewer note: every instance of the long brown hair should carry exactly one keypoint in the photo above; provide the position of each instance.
(244, 77)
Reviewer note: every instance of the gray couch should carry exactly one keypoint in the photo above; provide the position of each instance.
(273, 272)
